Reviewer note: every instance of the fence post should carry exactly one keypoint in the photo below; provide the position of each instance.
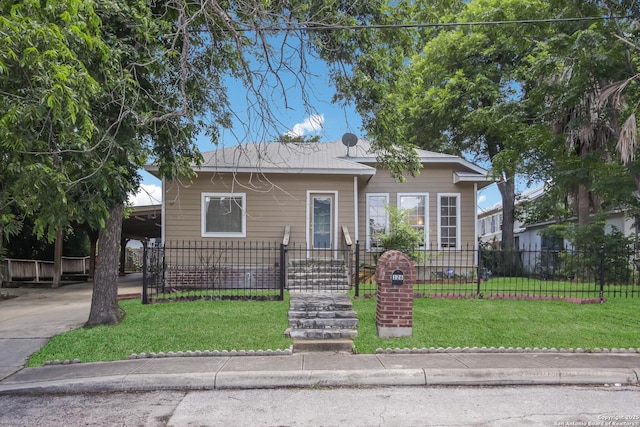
(161, 251)
(602, 264)
(357, 272)
(144, 272)
(283, 270)
(479, 278)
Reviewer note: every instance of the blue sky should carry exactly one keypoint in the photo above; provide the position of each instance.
(323, 118)
(326, 119)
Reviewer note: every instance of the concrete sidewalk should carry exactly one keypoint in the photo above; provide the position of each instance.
(329, 370)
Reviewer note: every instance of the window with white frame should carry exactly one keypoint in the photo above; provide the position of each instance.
(415, 205)
(449, 220)
(493, 223)
(377, 219)
(223, 215)
(483, 227)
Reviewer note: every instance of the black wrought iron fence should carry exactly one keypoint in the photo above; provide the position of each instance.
(213, 270)
(532, 273)
(243, 270)
(250, 270)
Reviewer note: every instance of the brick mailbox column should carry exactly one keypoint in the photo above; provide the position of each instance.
(395, 276)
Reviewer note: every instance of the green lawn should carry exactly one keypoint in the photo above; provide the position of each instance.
(507, 323)
(516, 286)
(260, 325)
(180, 326)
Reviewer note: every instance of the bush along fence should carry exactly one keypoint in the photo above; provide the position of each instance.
(581, 276)
(179, 271)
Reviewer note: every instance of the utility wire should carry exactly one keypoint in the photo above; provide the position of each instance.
(320, 27)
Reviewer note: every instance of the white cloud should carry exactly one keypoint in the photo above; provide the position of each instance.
(479, 208)
(311, 124)
(148, 194)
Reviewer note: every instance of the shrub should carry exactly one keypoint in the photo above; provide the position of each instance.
(401, 236)
(597, 253)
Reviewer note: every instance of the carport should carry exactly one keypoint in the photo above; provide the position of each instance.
(142, 223)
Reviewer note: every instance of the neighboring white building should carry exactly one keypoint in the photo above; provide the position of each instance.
(490, 220)
(530, 239)
(529, 236)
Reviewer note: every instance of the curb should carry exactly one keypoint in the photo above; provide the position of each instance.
(328, 378)
(289, 351)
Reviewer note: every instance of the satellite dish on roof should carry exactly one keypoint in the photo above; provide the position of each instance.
(349, 140)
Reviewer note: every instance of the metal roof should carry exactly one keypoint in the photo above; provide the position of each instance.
(311, 158)
(285, 158)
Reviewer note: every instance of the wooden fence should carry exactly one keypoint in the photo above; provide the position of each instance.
(42, 271)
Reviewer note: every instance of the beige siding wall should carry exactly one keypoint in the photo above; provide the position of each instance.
(273, 202)
(278, 200)
(432, 180)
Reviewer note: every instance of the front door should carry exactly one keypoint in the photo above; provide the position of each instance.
(322, 220)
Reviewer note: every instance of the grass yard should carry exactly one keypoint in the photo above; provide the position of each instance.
(179, 326)
(260, 325)
(508, 323)
(516, 286)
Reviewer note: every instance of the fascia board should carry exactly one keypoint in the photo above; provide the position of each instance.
(431, 160)
(362, 171)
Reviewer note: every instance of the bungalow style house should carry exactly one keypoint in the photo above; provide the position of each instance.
(320, 197)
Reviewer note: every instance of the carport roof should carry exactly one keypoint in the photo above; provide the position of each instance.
(143, 222)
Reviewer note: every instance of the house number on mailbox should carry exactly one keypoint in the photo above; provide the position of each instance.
(397, 277)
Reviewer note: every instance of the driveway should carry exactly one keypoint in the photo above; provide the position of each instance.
(28, 321)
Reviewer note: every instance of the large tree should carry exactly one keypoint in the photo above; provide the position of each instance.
(585, 66)
(459, 88)
(92, 90)
(369, 64)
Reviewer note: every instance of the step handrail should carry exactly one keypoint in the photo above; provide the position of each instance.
(347, 236)
(348, 258)
(287, 235)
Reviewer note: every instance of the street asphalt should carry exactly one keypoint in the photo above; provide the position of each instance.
(30, 320)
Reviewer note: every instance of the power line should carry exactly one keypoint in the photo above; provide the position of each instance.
(320, 27)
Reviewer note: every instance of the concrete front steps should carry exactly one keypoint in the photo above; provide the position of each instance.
(321, 322)
(318, 275)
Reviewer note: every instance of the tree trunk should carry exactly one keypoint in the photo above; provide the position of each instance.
(584, 205)
(509, 259)
(507, 190)
(104, 302)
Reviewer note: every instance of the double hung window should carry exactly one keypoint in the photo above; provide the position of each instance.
(415, 206)
(449, 220)
(377, 219)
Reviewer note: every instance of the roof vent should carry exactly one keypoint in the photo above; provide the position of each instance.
(349, 140)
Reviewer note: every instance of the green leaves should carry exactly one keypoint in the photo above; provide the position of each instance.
(401, 235)
(45, 110)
